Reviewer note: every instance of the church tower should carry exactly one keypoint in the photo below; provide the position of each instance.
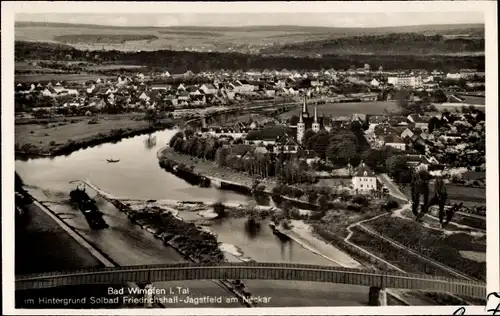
(305, 112)
(315, 124)
(301, 127)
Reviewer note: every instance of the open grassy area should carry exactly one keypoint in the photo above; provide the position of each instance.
(434, 243)
(384, 250)
(473, 100)
(44, 139)
(473, 223)
(347, 109)
(470, 196)
(57, 77)
(103, 38)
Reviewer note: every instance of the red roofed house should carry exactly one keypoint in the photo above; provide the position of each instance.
(364, 179)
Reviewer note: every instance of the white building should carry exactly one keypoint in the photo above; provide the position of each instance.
(394, 142)
(364, 180)
(374, 83)
(405, 81)
(454, 76)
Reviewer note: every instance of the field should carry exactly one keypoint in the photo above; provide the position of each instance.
(104, 38)
(201, 38)
(408, 262)
(474, 100)
(472, 223)
(470, 196)
(50, 135)
(56, 77)
(434, 243)
(112, 67)
(347, 109)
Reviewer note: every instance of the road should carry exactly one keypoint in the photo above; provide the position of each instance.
(127, 244)
(391, 186)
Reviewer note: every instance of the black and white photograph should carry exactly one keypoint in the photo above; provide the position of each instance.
(170, 159)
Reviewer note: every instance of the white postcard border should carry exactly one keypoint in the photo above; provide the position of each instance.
(488, 7)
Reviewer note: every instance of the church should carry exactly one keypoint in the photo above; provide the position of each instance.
(307, 122)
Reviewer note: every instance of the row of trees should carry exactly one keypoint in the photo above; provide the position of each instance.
(181, 61)
(288, 169)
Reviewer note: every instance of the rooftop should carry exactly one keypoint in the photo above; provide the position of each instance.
(363, 171)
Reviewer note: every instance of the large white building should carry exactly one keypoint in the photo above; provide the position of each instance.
(405, 81)
(364, 179)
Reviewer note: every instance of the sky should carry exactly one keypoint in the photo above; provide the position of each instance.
(343, 19)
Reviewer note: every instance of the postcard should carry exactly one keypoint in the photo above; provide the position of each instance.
(286, 158)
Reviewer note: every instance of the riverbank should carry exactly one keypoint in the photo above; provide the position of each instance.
(62, 138)
(211, 170)
(191, 241)
(202, 172)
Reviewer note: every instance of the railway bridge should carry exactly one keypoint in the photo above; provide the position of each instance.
(378, 281)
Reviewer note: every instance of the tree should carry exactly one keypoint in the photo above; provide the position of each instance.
(188, 133)
(323, 204)
(342, 152)
(221, 156)
(396, 166)
(434, 123)
(373, 158)
(308, 136)
(402, 97)
(320, 143)
(294, 120)
(178, 135)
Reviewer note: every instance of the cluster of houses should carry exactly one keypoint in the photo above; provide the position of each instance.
(404, 133)
(160, 90)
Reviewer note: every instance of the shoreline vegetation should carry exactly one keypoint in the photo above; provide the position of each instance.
(64, 138)
(187, 238)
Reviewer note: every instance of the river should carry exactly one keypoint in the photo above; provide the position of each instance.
(138, 176)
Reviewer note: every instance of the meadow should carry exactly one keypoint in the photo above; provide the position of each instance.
(474, 100)
(57, 77)
(347, 109)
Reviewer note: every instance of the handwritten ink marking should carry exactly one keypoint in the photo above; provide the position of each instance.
(493, 311)
(496, 310)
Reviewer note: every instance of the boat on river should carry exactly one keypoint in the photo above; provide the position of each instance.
(112, 160)
(88, 208)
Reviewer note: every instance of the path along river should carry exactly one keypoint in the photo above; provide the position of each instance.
(138, 176)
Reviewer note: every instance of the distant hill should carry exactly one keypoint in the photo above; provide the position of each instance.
(393, 43)
(177, 62)
(247, 39)
(476, 29)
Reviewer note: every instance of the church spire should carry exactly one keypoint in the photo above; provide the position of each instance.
(304, 107)
(315, 113)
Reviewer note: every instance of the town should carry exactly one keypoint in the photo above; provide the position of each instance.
(366, 168)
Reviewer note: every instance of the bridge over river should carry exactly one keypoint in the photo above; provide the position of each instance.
(377, 280)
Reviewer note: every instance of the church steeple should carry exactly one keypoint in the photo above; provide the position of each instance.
(305, 112)
(315, 125)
